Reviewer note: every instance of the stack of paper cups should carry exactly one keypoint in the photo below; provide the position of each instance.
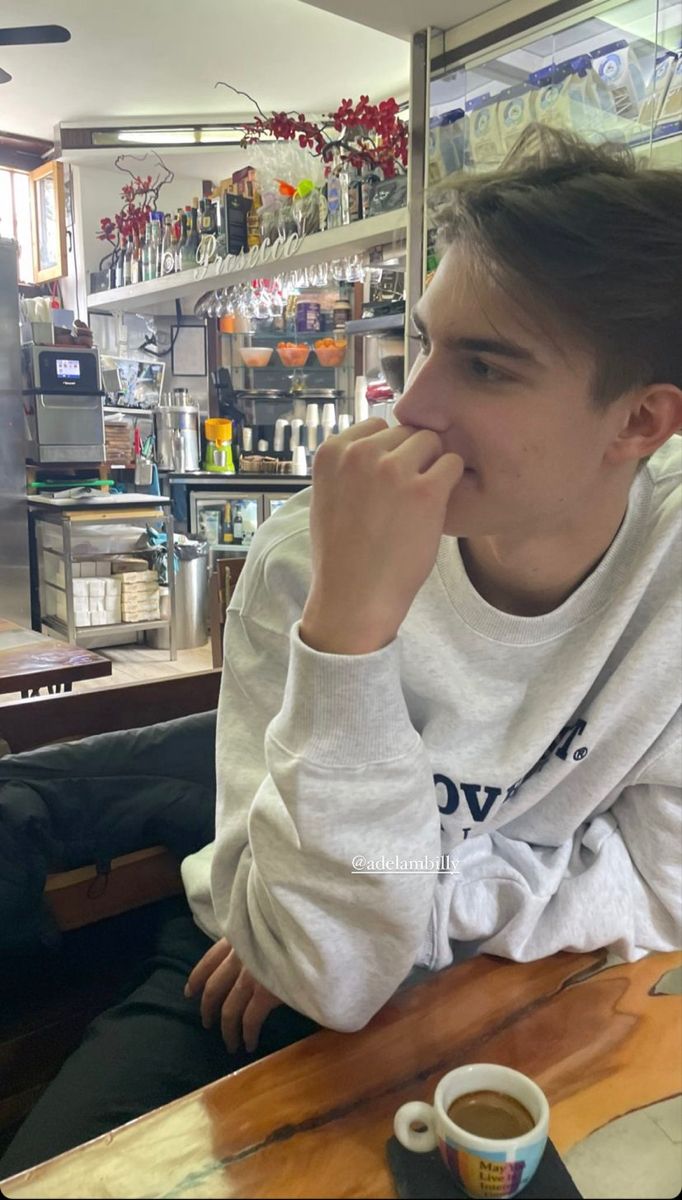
(312, 420)
(296, 426)
(344, 422)
(328, 421)
(280, 426)
(299, 461)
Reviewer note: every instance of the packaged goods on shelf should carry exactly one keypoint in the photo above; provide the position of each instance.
(446, 145)
(671, 110)
(654, 100)
(624, 74)
(128, 563)
(485, 147)
(140, 600)
(92, 598)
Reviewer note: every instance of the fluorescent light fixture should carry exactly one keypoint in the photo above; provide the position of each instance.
(115, 136)
(160, 137)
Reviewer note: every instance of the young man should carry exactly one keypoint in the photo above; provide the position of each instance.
(463, 641)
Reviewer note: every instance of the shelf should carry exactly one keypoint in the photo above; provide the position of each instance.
(372, 325)
(289, 335)
(160, 294)
(96, 631)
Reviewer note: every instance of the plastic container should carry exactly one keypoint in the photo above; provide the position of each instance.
(331, 355)
(255, 356)
(94, 539)
(292, 355)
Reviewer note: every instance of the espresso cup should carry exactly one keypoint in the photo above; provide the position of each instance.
(481, 1166)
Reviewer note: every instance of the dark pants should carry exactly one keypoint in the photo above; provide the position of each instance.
(145, 1051)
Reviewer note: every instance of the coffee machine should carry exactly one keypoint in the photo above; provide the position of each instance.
(62, 397)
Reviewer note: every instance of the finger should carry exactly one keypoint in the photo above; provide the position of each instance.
(445, 474)
(363, 429)
(259, 1007)
(206, 966)
(233, 1009)
(417, 453)
(217, 989)
(202, 972)
(374, 433)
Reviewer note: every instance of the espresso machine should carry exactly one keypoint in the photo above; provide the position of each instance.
(62, 398)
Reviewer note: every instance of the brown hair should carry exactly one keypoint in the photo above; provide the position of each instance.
(583, 232)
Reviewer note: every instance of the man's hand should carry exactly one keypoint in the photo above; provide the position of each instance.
(229, 990)
(376, 519)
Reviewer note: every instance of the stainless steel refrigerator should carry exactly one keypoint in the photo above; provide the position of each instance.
(15, 591)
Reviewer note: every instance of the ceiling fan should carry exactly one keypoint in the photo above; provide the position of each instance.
(31, 35)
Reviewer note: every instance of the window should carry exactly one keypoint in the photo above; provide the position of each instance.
(15, 217)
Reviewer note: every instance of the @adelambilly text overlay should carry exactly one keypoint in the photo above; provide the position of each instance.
(399, 864)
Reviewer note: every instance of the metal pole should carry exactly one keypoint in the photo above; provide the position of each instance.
(420, 60)
(170, 559)
(68, 578)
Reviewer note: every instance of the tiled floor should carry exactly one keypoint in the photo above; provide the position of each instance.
(637, 1156)
(136, 664)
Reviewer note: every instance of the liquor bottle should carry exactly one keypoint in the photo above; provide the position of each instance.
(237, 523)
(345, 185)
(253, 233)
(334, 218)
(189, 253)
(136, 266)
(154, 239)
(182, 241)
(120, 261)
(128, 264)
(354, 195)
(207, 219)
(322, 206)
(167, 251)
(228, 534)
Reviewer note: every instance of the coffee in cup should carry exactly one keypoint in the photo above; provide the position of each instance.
(490, 1124)
(491, 1115)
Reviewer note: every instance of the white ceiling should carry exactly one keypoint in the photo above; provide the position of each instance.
(402, 18)
(151, 58)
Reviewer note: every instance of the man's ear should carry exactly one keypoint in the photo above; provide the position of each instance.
(653, 414)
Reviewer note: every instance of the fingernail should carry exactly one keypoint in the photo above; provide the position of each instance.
(249, 1047)
(187, 992)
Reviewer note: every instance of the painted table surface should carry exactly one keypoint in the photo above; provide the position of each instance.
(30, 660)
(313, 1119)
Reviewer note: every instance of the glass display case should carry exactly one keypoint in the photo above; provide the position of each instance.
(613, 73)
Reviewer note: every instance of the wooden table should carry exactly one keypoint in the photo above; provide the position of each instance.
(313, 1119)
(30, 660)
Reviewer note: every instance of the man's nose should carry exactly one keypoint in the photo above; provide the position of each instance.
(425, 402)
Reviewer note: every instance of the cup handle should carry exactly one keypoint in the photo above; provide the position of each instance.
(421, 1141)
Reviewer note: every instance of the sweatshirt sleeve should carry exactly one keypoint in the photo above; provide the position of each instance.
(336, 771)
(615, 884)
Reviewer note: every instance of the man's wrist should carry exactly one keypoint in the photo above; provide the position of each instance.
(342, 636)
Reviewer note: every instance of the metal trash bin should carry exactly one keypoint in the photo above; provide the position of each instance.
(191, 599)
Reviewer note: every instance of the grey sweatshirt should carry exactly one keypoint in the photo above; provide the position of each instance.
(543, 755)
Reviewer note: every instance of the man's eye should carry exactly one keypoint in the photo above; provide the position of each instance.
(424, 344)
(482, 370)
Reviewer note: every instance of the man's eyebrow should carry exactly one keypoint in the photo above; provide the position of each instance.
(482, 345)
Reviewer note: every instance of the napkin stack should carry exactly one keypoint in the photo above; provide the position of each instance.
(97, 600)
